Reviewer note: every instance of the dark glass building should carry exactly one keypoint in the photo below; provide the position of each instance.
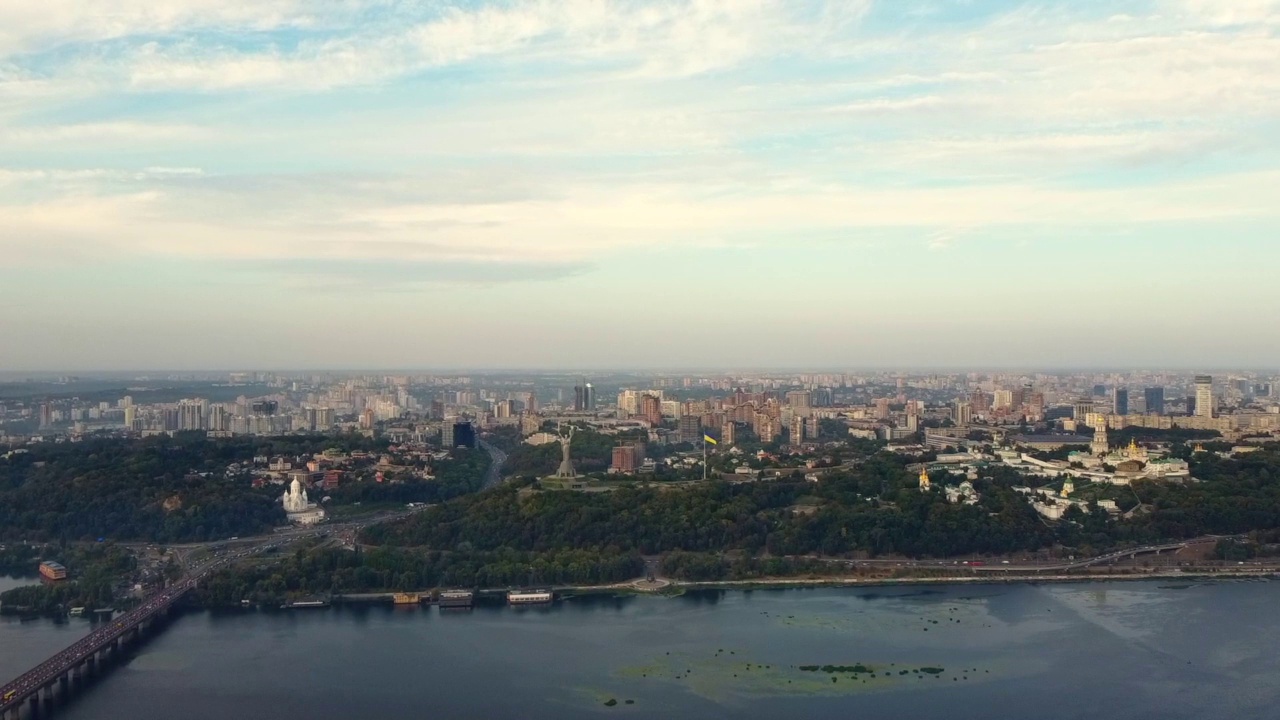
(1155, 400)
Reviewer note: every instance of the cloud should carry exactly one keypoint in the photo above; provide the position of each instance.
(1231, 12)
(401, 274)
(680, 38)
(114, 132)
(32, 26)
(334, 221)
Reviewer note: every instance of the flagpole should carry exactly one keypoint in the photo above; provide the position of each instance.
(704, 456)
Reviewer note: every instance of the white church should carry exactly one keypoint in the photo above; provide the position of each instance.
(300, 510)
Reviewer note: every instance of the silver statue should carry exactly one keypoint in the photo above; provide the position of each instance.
(566, 463)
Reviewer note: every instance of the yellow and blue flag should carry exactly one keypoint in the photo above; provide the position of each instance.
(709, 440)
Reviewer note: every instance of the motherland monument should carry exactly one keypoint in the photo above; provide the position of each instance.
(566, 463)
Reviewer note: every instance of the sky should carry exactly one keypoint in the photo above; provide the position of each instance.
(207, 184)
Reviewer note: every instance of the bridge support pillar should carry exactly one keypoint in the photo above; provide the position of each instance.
(91, 665)
(64, 684)
(33, 705)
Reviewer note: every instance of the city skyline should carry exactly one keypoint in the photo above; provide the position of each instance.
(611, 183)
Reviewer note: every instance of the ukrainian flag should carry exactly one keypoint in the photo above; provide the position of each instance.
(709, 440)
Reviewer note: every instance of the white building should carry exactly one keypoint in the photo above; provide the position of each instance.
(299, 509)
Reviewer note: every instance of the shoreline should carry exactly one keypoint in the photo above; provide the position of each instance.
(678, 587)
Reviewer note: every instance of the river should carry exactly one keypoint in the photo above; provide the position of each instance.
(1120, 650)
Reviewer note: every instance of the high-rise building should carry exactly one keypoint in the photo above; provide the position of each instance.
(1120, 401)
(447, 438)
(651, 409)
(464, 435)
(1035, 406)
(219, 418)
(588, 397)
(963, 413)
(980, 401)
(800, 399)
(729, 433)
(624, 459)
(1003, 400)
(579, 398)
(1204, 396)
(690, 428)
(190, 415)
(1155, 400)
(882, 408)
(1083, 409)
(797, 429)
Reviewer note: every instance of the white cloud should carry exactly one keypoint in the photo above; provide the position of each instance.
(1231, 12)
(351, 220)
(31, 26)
(115, 132)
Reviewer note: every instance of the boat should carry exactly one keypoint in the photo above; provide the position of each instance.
(76, 611)
(305, 604)
(406, 599)
(530, 597)
(456, 598)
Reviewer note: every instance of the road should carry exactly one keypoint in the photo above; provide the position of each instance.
(497, 458)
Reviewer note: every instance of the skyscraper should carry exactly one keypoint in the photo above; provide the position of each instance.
(1120, 401)
(588, 397)
(1204, 396)
(579, 398)
(651, 409)
(1155, 400)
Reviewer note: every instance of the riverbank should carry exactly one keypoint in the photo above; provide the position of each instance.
(677, 587)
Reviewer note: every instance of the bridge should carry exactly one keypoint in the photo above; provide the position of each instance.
(71, 667)
(67, 671)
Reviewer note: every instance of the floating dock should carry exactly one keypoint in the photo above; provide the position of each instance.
(456, 598)
(530, 597)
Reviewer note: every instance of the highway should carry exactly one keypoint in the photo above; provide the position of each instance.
(497, 457)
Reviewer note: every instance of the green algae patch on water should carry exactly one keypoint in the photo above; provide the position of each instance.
(719, 677)
(596, 697)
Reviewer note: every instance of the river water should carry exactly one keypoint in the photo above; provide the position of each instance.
(1122, 650)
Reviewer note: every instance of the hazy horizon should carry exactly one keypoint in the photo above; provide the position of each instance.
(589, 372)
(597, 183)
